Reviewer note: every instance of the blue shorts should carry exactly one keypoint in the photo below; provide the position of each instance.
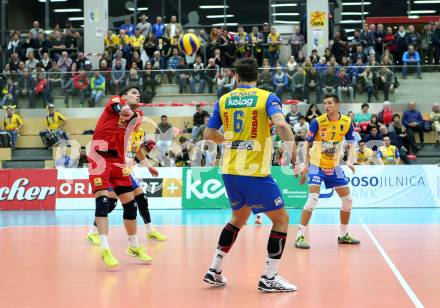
(134, 183)
(261, 194)
(332, 178)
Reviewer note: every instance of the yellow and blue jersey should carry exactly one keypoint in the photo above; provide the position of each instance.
(244, 114)
(327, 137)
(137, 138)
(388, 155)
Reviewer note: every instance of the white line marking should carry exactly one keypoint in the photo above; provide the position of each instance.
(417, 303)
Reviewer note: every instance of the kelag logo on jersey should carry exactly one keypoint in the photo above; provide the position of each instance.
(241, 102)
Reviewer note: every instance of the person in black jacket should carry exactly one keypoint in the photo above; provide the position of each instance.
(436, 44)
(198, 119)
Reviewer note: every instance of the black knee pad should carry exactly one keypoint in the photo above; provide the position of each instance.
(112, 204)
(130, 211)
(102, 206)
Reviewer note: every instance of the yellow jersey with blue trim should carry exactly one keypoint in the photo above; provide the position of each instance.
(137, 138)
(244, 114)
(327, 138)
(388, 154)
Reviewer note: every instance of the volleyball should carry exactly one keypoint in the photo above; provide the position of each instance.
(189, 43)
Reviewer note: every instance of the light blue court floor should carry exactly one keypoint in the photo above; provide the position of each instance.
(192, 217)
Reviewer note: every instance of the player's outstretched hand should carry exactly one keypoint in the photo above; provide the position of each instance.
(126, 113)
(351, 167)
(153, 171)
(303, 174)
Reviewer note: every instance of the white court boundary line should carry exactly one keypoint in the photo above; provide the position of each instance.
(417, 303)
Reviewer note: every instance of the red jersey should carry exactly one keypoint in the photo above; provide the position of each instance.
(111, 128)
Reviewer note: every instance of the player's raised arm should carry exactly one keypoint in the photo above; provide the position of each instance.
(212, 132)
(285, 134)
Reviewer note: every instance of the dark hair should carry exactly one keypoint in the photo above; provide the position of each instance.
(334, 96)
(365, 105)
(396, 115)
(362, 140)
(247, 69)
(198, 105)
(164, 116)
(374, 116)
(301, 117)
(125, 91)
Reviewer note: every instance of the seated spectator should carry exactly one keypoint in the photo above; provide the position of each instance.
(183, 75)
(413, 121)
(46, 62)
(119, 57)
(397, 141)
(297, 84)
(55, 76)
(81, 61)
(388, 154)
(25, 86)
(385, 116)
(15, 45)
(312, 83)
(64, 160)
(363, 118)
(301, 136)
(182, 154)
(434, 116)
(385, 81)
(198, 120)
(55, 122)
(329, 82)
(150, 45)
(291, 67)
(397, 127)
(374, 136)
(111, 42)
(280, 81)
(173, 62)
(265, 78)
(321, 67)
(8, 93)
(211, 73)
(106, 72)
(137, 40)
(13, 64)
(293, 116)
(80, 86)
(31, 62)
(151, 79)
(301, 59)
(97, 85)
(134, 77)
(12, 124)
(411, 58)
(197, 76)
(64, 62)
(345, 85)
(225, 82)
(312, 113)
(164, 139)
(158, 62)
(42, 89)
(118, 76)
(201, 130)
(302, 124)
(373, 123)
(364, 155)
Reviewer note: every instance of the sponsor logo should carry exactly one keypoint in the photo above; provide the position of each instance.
(209, 188)
(254, 131)
(97, 181)
(172, 188)
(278, 201)
(240, 145)
(225, 115)
(241, 102)
(116, 100)
(317, 18)
(257, 206)
(126, 171)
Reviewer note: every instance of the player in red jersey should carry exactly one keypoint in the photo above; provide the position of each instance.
(106, 169)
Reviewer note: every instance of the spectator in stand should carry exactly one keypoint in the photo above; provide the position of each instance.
(225, 82)
(375, 137)
(364, 155)
(158, 28)
(64, 160)
(413, 121)
(373, 123)
(401, 44)
(55, 76)
(158, 62)
(151, 79)
(55, 121)
(411, 58)
(293, 116)
(345, 85)
(396, 141)
(389, 43)
(413, 38)
(137, 40)
(134, 78)
(241, 40)
(111, 42)
(81, 61)
(13, 64)
(368, 80)
(150, 45)
(436, 43)
(174, 42)
(183, 74)
(211, 74)
(296, 42)
(35, 30)
(121, 40)
(118, 76)
(41, 88)
(274, 40)
(14, 45)
(173, 62)
(31, 62)
(46, 62)
(119, 57)
(400, 130)
(127, 26)
(79, 41)
(362, 119)
(164, 137)
(64, 62)
(297, 84)
(198, 120)
(58, 44)
(329, 82)
(301, 59)
(170, 29)
(301, 125)
(312, 113)
(8, 92)
(25, 86)
(280, 81)
(385, 81)
(12, 124)
(388, 154)
(321, 67)
(291, 67)
(144, 26)
(265, 78)
(426, 47)
(106, 72)
(434, 116)
(197, 76)
(385, 116)
(80, 86)
(70, 39)
(97, 85)
(313, 83)
(137, 60)
(256, 41)
(367, 38)
(379, 36)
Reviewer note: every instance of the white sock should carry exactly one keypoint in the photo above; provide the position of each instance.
(301, 230)
(343, 230)
(133, 240)
(149, 227)
(93, 229)
(217, 261)
(271, 268)
(103, 240)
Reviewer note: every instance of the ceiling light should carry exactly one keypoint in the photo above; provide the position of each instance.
(213, 6)
(219, 16)
(52, 1)
(355, 3)
(67, 10)
(351, 21)
(354, 13)
(284, 5)
(75, 18)
(285, 14)
(427, 2)
(422, 12)
(286, 22)
(131, 9)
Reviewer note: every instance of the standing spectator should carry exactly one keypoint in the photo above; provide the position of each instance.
(345, 85)
(413, 38)
(241, 40)
(118, 76)
(35, 30)
(211, 74)
(413, 121)
(401, 44)
(297, 84)
(274, 40)
(388, 154)
(364, 155)
(225, 82)
(12, 124)
(58, 44)
(64, 62)
(159, 28)
(256, 40)
(329, 82)
(25, 86)
(80, 86)
(385, 81)
(280, 81)
(293, 116)
(14, 45)
(436, 43)
(55, 121)
(434, 116)
(296, 42)
(379, 36)
(172, 27)
(97, 85)
(127, 26)
(367, 38)
(144, 26)
(184, 74)
(426, 50)
(312, 113)
(339, 47)
(198, 120)
(389, 42)
(412, 58)
(301, 125)
(137, 40)
(197, 76)
(41, 88)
